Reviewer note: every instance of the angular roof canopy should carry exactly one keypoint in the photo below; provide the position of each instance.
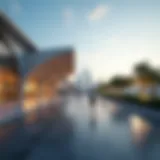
(54, 60)
(29, 63)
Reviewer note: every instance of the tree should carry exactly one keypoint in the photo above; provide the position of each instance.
(147, 76)
(102, 87)
(146, 73)
(120, 81)
(143, 70)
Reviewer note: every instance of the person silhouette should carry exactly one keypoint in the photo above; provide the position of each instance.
(92, 97)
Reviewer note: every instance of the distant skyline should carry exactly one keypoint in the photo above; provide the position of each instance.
(108, 36)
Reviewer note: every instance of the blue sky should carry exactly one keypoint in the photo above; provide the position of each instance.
(109, 36)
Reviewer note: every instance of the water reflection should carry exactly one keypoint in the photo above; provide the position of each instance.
(93, 118)
(109, 130)
(140, 128)
(18, 141)
(143, 126)
(145, 135)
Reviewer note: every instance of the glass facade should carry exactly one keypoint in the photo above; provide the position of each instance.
(9, 85)
(17, 62)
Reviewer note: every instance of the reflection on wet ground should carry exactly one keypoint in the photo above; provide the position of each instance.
(77, 131)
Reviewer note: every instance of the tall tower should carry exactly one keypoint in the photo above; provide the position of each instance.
(84, 80)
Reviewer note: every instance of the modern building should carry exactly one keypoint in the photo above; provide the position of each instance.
(12, 43)
(84, 80)
(27, 72)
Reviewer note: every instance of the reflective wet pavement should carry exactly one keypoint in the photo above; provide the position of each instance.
(76, 131)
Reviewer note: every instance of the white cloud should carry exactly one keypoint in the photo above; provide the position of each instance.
(68, 15)
(98, 13)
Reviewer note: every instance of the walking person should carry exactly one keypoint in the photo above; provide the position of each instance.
(92, 97)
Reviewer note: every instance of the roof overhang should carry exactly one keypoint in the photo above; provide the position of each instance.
(11, 29)
(55, 63)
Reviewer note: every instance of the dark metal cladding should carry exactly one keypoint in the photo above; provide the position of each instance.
(7, 27)
(10, 62)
